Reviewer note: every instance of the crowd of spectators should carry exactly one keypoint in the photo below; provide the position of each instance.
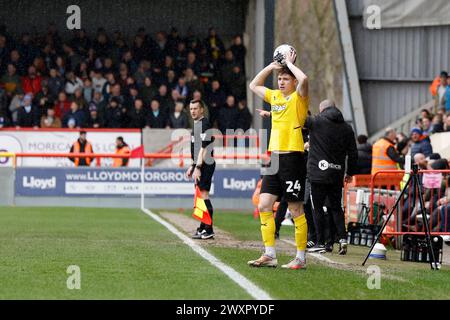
(108, 81)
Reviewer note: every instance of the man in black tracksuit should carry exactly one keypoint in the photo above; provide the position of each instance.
(332, 140)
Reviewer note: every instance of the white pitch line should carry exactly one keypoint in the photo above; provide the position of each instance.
(315, 255)
(251, 288)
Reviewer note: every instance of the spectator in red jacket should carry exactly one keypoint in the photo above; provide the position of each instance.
(32, 82)
(62, 105)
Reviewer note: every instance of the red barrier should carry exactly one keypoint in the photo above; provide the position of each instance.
(378, 197)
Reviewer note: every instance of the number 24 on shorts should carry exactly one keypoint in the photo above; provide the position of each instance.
(293, 186)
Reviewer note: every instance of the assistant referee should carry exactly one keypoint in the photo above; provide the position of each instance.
(203, 166)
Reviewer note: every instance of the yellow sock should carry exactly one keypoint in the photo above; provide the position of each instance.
(268, 228)
(301, 232)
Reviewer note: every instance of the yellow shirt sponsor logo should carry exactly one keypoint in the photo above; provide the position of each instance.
(288, 117)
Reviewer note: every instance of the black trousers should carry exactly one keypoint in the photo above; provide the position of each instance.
(331, 224)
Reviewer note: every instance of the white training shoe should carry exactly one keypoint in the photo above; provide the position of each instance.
(295, 264)
(264, 261)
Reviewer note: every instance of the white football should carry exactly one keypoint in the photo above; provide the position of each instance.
(280, 53)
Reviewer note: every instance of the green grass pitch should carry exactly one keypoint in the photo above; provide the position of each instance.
(123, 254)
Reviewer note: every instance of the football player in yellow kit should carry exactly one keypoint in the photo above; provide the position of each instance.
(289, 108)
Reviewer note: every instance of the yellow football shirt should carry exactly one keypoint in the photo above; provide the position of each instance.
(288, 117)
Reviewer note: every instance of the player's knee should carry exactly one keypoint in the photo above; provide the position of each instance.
(264, 207)
(296, 209)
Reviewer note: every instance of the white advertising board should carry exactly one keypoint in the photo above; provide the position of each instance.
(48, 142)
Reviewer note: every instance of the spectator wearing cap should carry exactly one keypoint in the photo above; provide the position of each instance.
(49, 120)
(99, 102)
(420, 143)
(157, 119)
(94, 119)
(28, 114)
(137, 115)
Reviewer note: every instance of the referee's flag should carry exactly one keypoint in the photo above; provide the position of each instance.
(137, 152)
(200, 210)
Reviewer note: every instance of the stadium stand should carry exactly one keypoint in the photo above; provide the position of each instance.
(110, 81)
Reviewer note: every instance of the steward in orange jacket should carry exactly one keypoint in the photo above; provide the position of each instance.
(121, 149)
(81, 146)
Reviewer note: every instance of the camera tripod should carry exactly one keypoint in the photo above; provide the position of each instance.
(417, 185)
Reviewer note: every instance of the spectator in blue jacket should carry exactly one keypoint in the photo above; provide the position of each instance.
(420, 143)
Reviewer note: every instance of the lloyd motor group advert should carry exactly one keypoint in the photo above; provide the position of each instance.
(93, 182)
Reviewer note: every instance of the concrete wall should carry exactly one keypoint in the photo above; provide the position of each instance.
(396, 66)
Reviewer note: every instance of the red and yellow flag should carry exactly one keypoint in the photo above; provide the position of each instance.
(200, 210)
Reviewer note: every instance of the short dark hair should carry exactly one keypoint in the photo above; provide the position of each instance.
(444, 74)
(286, 70)
(120, 139)
(82, 132)
(362, 139)
(202, 104)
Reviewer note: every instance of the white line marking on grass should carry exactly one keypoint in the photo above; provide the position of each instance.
(315, 255)
(251, 288)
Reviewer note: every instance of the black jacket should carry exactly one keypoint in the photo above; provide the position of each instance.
(331, 141)
(364, 158)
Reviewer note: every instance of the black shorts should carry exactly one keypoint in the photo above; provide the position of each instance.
(207, 172)
(289, 181)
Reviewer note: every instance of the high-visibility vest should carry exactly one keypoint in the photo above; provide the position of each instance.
(77, 149)
(118, 162)
(380, 159)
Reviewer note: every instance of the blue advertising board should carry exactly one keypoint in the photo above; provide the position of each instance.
(107, 182)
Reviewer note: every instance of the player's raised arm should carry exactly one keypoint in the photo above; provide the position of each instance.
(257, 84)
(302, 87)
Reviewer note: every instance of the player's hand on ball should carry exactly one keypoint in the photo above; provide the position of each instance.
(291, 56)
(263, 113)
(276, 66)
